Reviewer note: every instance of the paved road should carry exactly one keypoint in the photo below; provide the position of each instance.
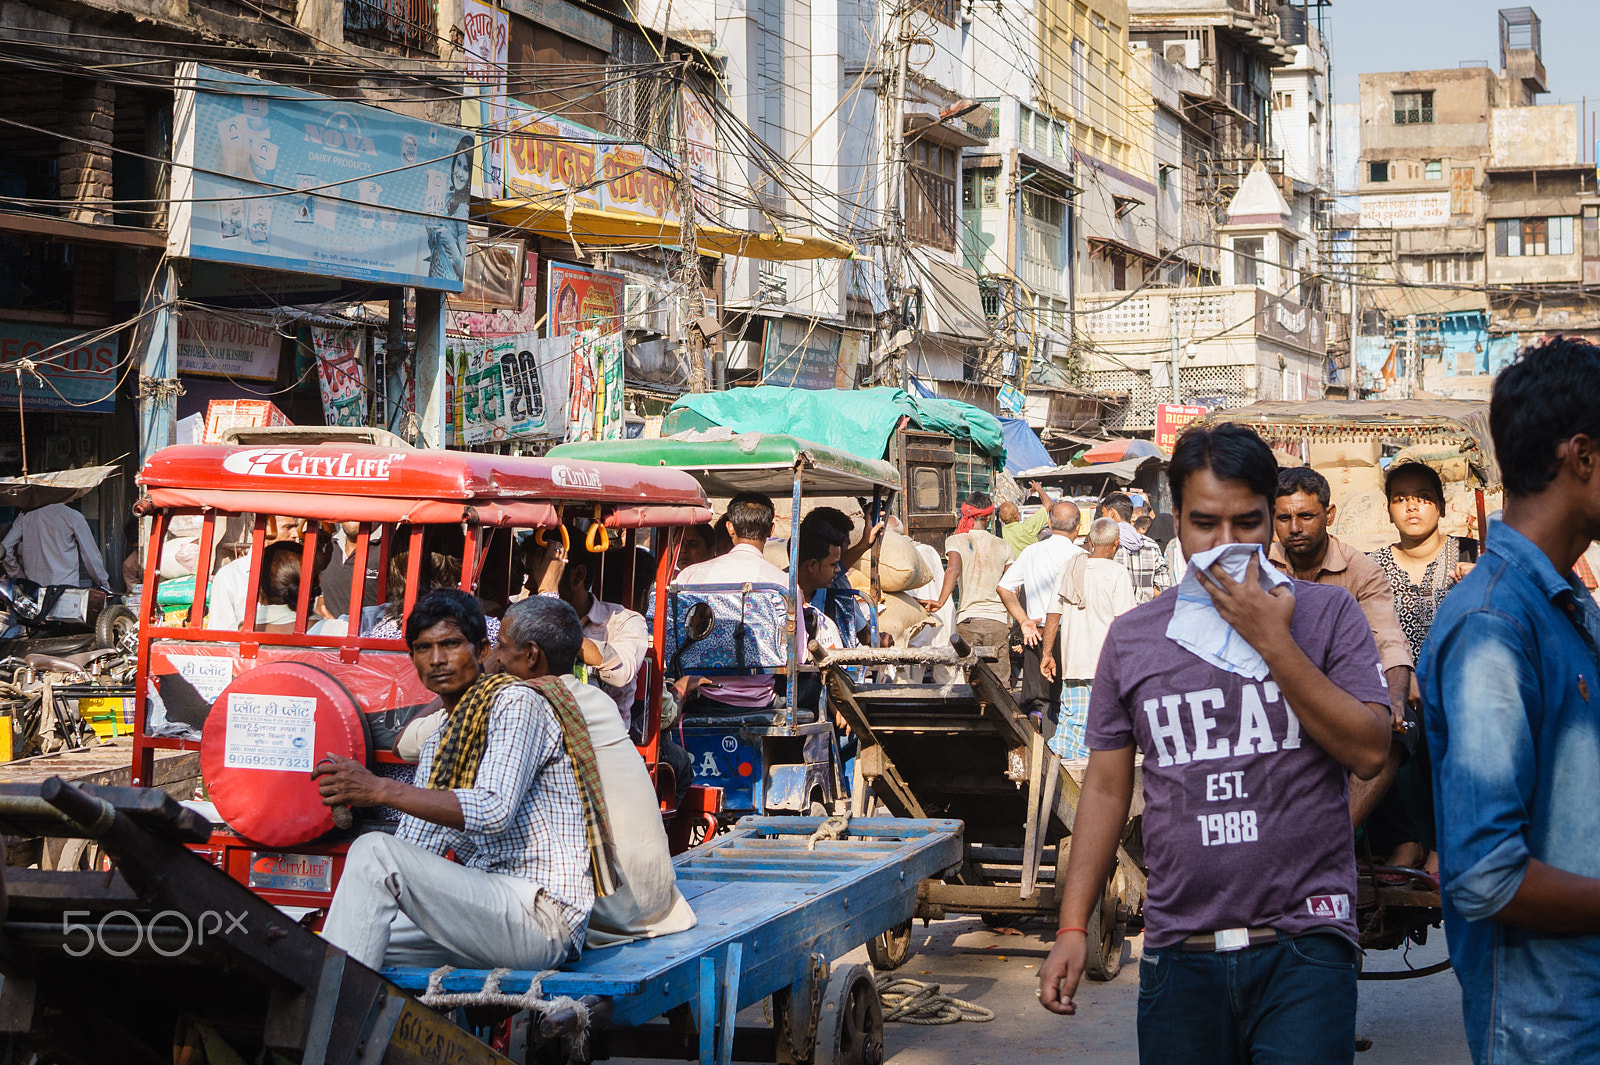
(1408, 1020)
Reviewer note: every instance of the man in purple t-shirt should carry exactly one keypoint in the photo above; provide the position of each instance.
(1249, 951)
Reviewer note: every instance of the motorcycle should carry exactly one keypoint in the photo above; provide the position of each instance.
(61, 619)
(42, 693)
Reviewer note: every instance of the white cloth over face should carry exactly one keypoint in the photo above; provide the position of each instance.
(1198, 627)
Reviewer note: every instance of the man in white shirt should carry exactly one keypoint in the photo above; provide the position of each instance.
(1094, 589)
(230, 584)
(53, 546)
(749, 520)
(1035, 574)
(615, 639)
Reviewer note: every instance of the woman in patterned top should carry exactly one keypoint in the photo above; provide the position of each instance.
(1421, 568)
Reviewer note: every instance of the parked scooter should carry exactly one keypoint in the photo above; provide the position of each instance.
(61, 619)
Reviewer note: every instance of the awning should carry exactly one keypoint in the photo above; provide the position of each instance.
(952, 303)
(1535, 207)
(606, 228)
(61, 486)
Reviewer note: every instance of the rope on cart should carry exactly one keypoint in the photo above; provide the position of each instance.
(832, 828)
(915, 1002)
(490, 994)
(895, 656)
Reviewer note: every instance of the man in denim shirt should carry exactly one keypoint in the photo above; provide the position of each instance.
(1510, 680)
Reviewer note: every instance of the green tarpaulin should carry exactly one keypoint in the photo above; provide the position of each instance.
(859, 421)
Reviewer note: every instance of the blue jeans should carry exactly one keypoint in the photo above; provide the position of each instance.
(1293, 1001)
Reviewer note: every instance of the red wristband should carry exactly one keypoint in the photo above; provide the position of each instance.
(1085, 931)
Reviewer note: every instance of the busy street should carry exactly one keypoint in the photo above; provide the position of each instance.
(910, 532)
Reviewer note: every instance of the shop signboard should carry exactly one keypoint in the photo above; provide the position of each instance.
(272, 176)
(525, 319)
(567, 19)
(507, 388)
(801, 354)
(701, 136)
(70, 371)
(238, 347)
(549, 159)
(583, 299)
(485, 39)
(341, 374)
(1171, 418)
(1406, 211)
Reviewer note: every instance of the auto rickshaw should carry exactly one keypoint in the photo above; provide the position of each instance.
(264, 702)
(785, 759)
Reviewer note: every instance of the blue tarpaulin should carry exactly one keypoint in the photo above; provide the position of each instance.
(1023, 449)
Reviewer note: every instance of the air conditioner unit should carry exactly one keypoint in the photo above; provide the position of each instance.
(1182, 53)
(636, 307)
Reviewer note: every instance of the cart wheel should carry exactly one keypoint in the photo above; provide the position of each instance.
(889, 950)
(1104, 960)
(116, 629)
(850, 1028)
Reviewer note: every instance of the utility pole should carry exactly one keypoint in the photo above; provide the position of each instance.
(895, 195)
(1172, 316)
(693, 302)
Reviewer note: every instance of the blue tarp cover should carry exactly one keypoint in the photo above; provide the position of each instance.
(1023, 449)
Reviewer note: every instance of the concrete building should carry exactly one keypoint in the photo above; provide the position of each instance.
(1226, 345)
(1432, 143)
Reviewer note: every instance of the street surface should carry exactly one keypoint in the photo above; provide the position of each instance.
(1407, 1020)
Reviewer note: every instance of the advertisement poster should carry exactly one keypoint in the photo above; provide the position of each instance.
(547, 157)
(70, 374)
(583, 387)
(485, 38)
(238, 347)
(272, 176)
(608, 407)
(701, 132)
(339, 372)
(583, 299)
(851, 350)
(504, 323)
(507, 388)
(801, 354)
(395, 373)
(1170, 421)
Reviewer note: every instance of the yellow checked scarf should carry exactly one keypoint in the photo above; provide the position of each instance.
(602, 848)
(466, 734)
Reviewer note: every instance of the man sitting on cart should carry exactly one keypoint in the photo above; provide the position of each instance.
(749, 520)
(496, 787)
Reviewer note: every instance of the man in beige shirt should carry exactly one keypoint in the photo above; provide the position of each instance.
(1306, 551)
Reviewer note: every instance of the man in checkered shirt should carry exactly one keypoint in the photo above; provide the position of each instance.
(1143, 557)
(518, 892)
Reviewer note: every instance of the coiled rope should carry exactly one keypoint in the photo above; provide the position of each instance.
(916, 1002)
(491, 995)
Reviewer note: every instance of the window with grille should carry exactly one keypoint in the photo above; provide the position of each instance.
(409, 25)
(1413, 108)
(1433, 169)
(943, 10)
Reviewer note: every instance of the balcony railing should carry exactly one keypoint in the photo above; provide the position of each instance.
(411, 26)
(1233, 311)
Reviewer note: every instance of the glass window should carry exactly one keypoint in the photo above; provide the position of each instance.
(1413, 108)
(1561, 236)
(1535, 233)
(1508, 237)
(1246, 265)
(1377, 171)
(927, 488)
(1433, 169)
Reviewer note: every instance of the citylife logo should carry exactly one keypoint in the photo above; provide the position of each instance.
(295, 462)
(568, 477)
(161, 931)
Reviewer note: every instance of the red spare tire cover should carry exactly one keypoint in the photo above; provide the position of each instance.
(265, 733)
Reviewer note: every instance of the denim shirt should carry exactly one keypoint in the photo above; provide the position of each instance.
(1510, 679)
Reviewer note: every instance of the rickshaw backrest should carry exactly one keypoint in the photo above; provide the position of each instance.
(745, 633)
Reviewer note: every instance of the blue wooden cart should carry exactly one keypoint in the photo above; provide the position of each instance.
(777, 900)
